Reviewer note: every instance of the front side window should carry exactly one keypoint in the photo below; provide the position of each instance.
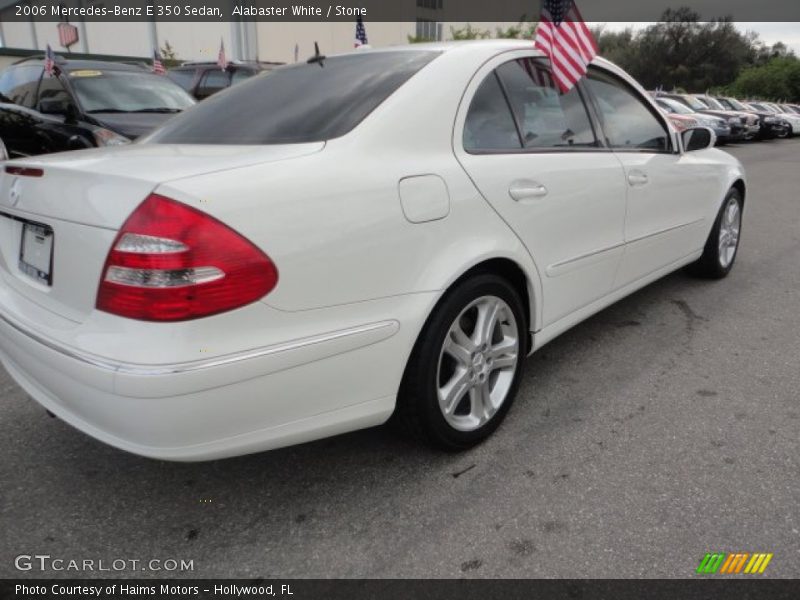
(628, 123)
(213, 81)
(51, 89)
(546, 118)
(299, 103)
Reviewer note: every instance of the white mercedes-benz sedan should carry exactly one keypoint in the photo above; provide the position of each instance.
(386, 233)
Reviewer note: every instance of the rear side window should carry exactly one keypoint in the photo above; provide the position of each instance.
(490, 125)
(546, 118)
(18, 85)
(183, 77)
(628, 123)
(297, 104)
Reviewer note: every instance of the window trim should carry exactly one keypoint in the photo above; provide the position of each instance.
(661, 118)
(582, 93)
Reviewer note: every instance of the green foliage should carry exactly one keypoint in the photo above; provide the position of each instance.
(778, 79)
(468, 32)
(169, 56)
(524, 30)
(417, 39)
(168, 52)
(680, 51)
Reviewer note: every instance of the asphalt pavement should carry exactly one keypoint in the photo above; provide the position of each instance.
(663, 428)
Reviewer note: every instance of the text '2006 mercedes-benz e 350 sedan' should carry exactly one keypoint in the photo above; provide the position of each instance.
(386, 233)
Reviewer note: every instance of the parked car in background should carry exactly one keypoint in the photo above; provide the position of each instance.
(681, 122)
(319, 250)
(679, 111)
(110, 103)
(770, 125)
(27, 132)
(202, 79)
(788, 115)
(750, 121)
(736, 122)
(767, 108)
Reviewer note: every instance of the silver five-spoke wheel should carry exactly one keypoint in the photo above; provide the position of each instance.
(477, 363)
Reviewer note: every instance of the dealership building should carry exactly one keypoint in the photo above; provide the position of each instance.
(244, 40)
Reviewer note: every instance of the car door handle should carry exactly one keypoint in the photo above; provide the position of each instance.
(524, 190)
(637, 178)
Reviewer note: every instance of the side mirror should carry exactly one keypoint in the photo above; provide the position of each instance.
(54, 106)
(698, 138)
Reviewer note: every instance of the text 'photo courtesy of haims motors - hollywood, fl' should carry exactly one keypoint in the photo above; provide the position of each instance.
(399, 299)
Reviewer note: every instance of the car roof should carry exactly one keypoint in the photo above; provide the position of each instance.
(66, 64)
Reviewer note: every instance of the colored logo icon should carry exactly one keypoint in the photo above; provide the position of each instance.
(734, 563)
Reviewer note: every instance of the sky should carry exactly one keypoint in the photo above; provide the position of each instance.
(788, 33)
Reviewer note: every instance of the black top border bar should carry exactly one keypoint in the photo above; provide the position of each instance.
(473, 11)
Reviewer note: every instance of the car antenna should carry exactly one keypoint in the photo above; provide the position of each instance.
(317, 58)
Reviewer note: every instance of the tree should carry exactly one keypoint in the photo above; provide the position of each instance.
(168, 52)
(779, 79)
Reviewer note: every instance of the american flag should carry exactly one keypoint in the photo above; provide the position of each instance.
(221, 60)
(361, 33)
(49, 61)
(158, 64)
(566, 40)
(539, 75)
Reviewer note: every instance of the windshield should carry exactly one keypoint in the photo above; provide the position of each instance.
(735, 104)
(694, 102)
(127, 91)
(676, 106)
(712, 103)
(306, 102)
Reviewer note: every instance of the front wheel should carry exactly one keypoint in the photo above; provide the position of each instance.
(464, 371)
(722, 246)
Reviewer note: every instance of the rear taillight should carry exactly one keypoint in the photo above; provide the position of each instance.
(171, 262)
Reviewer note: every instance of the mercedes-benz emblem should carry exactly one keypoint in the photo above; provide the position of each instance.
(15, 193)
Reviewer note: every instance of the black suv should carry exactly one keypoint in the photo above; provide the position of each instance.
(82, 104)
(202, 79)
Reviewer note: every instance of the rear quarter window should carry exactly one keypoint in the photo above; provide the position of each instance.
(297, 104)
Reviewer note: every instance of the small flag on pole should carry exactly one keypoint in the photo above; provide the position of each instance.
(222, 62)
(49, 61)
(361, 33)
(158, 64)
(566, 40)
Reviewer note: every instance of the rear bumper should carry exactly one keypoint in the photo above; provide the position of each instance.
(278, 395)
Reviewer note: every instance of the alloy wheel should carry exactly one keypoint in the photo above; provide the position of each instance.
(729, 228)
(477, 363)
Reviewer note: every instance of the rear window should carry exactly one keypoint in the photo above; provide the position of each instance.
(297, 104)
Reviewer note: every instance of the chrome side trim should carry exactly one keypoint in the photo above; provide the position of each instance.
(566, 265)
(380, 330)
(663, 231)
(553, 270)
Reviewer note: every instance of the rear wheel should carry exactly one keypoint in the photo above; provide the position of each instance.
(722, 246)
(464, 371)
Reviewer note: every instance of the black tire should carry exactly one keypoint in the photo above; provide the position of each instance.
(418, 412)
(711, 264)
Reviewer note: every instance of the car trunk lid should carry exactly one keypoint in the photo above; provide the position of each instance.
(60, 214)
